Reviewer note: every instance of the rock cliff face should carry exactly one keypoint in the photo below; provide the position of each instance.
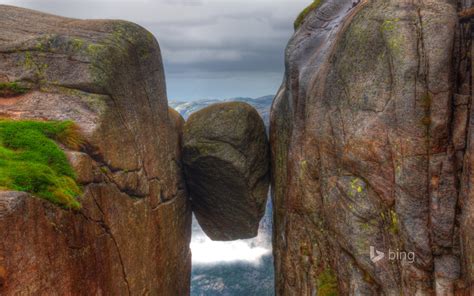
(370, 148)
(226, 159)
(132, 234)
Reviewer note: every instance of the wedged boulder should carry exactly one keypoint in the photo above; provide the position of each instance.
(132, 234)
(226, 159)
(368, 138)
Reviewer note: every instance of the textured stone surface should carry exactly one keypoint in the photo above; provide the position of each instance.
(9, 201)
(368, 137)
(226, 158)
(132, 234)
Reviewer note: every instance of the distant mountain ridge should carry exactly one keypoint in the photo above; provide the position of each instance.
(262, 104)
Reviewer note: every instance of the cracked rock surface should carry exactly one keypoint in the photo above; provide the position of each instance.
(133, 231)
(368, 137)
(226, 159)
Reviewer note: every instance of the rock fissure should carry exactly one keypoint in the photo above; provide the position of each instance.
(107, 230)
(130, 131)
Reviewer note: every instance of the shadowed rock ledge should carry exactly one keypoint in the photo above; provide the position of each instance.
(133, 231)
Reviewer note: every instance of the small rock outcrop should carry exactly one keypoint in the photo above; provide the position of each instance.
(372, 152)
(226, 159)
(132, 233)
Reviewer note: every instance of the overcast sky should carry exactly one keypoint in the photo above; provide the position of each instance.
(211, 48)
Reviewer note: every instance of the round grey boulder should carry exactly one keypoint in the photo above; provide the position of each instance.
(227, 162)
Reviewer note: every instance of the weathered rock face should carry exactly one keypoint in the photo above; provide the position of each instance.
(132, 234)
(368, 137)
(226, 159)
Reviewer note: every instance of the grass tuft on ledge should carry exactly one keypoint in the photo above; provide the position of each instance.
(299, 20)
(11, 89)
(32, 161)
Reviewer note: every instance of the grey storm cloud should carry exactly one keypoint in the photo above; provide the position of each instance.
(201, 38)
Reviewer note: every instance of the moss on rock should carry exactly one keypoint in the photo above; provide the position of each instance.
(31, 160)
(299, 20)
(327, 283)
(10, 89)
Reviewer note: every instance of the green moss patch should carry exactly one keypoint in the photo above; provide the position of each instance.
(299, 20)
(11, 89)
(32, 161)
(327, 283)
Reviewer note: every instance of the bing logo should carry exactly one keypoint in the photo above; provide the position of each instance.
(376, 255)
